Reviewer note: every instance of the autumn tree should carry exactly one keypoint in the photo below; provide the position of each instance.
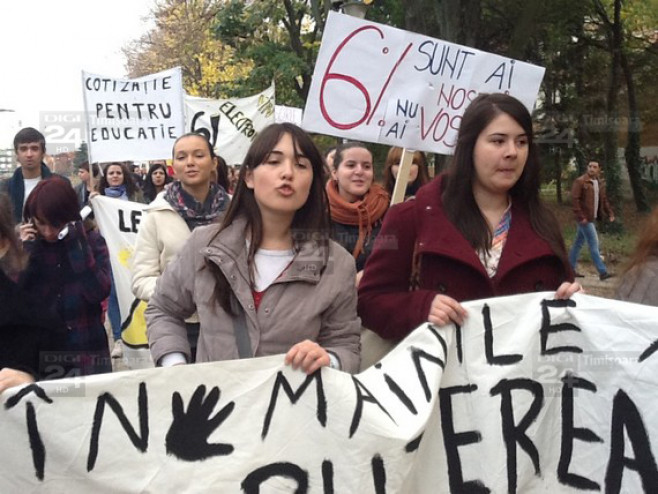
(183, 35)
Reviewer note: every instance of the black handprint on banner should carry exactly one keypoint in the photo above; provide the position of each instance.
(187, 438)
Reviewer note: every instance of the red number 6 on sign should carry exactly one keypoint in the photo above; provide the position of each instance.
(358, 85)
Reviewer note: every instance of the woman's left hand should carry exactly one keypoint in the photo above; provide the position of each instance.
(567, 289)
(12, 377)
(308, 355)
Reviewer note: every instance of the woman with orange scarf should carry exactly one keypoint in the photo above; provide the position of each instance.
(357, 204)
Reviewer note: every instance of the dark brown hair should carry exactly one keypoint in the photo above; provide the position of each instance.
(458, 199)
(341, 148)
(15, 260)
(394, 157)
(310, 221)
(149, 187)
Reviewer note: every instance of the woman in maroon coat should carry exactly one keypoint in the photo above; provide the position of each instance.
(478, 231)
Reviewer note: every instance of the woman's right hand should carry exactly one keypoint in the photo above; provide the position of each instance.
(93, 194)
(445, 310)
(27, 232)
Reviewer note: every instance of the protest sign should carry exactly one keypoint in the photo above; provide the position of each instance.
(375, 83)
(230, 124)
(531, 394)
(133, 119)
(290, 114)
(118, 222)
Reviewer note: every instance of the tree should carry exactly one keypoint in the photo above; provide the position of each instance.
(279, 39)
(81, 155)
(184, 36)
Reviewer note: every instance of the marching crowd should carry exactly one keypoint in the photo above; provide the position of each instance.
(294, 253)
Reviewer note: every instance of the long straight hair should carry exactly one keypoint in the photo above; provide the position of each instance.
(310, 222)
(458, 199)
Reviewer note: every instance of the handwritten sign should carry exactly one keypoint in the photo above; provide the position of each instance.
(133, 119)
(230, 124)
(530, 395)
(375, 83)
(290, 114)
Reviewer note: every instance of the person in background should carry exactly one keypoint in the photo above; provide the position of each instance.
(639, 282)
(27, 331)
(155, 182)
(478, 231)
(357, 204)
(329, 155)
(137, 175)
(418, 174)
(267, 280)
(117, 182)
(84, 188)
(30, 148)
(590, 202)
(69, 272)
(221, 172)
(192, 200)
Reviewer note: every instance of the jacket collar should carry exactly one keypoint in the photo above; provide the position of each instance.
(438, 235)
(228, 251)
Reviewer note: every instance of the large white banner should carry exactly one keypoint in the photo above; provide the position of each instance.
(230, 124)
(375, 83)
(529, 395)
(118, 222)
(133, 119)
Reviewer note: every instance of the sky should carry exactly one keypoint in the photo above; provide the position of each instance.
(44, 46)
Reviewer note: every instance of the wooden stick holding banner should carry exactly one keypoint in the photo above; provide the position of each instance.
(402, 179)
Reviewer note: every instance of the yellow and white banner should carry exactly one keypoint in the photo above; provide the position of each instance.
(230, 124)
(118, 222)
(530, 395)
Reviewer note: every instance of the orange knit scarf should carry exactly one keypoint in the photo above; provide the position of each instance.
(363, 213)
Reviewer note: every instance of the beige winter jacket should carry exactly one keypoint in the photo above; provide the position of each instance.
(162, 234)
(314, 298)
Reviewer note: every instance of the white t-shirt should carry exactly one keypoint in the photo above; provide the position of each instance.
(29, 184)
(269, 265)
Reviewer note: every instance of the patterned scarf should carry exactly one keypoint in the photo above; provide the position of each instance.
(363, 213)
(192, 211)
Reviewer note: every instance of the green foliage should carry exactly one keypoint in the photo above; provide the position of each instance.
(280, 39)
(81, 155)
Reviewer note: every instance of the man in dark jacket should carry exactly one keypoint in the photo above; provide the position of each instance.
(590, 203)
(30, 148)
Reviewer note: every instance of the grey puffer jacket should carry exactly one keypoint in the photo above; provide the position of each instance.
(314, 298)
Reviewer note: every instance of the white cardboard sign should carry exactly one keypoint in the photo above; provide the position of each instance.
(376, 83)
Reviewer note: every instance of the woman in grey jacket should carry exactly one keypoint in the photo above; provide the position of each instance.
(269, 280)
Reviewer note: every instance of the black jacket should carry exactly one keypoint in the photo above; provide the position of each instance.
(30, 337)
(15, 188)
